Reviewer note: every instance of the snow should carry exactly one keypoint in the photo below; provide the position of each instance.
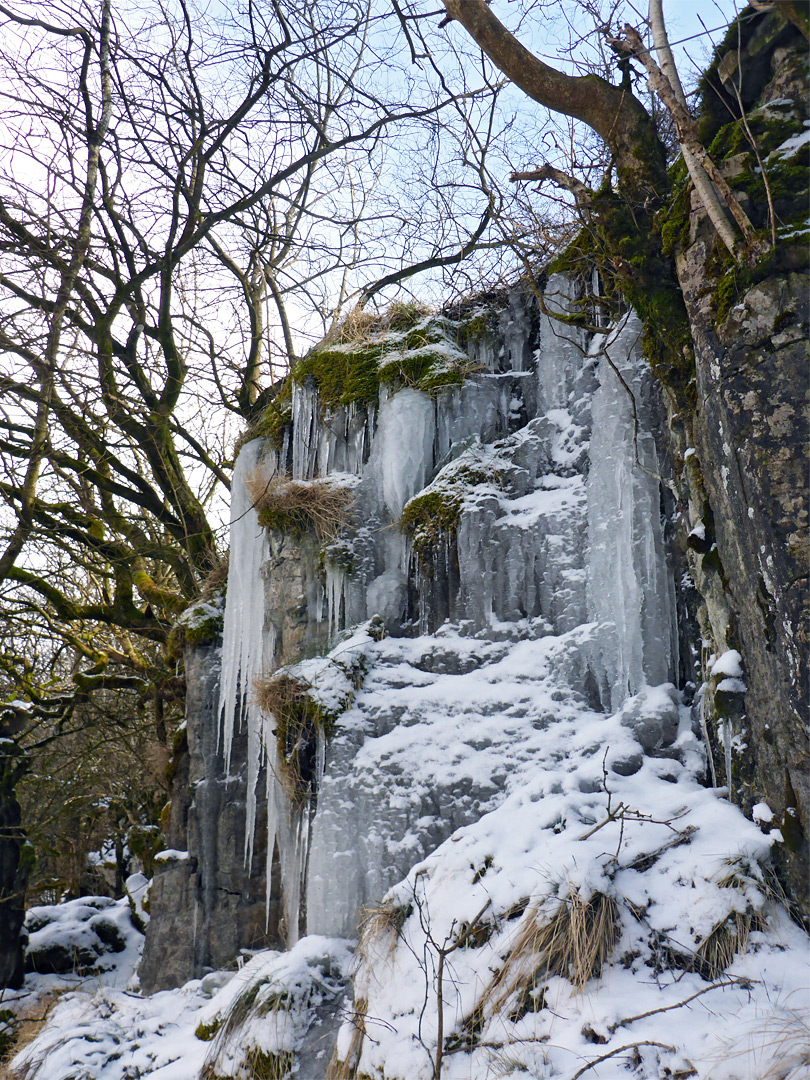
(792, 145)
(171, 855)
(525, 756)
(762, 813)
(99, 1032)
(730, 663)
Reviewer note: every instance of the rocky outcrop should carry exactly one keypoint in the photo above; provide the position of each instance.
(207, 903)
(743, 449)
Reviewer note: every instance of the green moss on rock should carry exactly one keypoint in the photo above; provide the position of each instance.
(431, 517)
(206, 1032)
(410, 349)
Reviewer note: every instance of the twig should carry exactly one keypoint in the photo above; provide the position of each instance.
(679, 1005)
(620, 1050)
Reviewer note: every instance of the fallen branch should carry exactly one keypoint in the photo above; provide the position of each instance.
(620, 1050)
(679, 1005)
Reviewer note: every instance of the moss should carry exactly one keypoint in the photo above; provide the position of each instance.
(339, 554)
(422, 369)
(276, 417)
(673, 222)
(408, 348)
(199, 625)
(178, 749)
(265, 1065)
(299, 718)
(344, 375)
(430, 517)
(206, 1032)
(475, 328)
(204, 632)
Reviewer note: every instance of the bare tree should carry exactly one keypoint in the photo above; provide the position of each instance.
(178, 193)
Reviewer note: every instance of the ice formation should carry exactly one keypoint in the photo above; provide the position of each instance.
(560, 533)
(512, 753)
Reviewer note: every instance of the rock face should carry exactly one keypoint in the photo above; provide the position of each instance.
(525, 505)
(743, 449)
(523, 512)
(208, 904)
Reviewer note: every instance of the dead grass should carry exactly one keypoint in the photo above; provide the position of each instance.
(727, 939)
(362, 325)
(346, 1069)
(298, 718)
(380, 927)
(574, 940)
(255, 1064)
(216, 579)
(730, 936)
(30, 1023)
(296, 506)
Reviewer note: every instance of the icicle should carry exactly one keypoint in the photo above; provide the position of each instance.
(242, 646)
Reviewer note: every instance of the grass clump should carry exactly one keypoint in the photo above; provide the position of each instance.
(299, 718)
(228, 1043)
(574, 939)
(298, 506)
(380, 928)
(730, 935)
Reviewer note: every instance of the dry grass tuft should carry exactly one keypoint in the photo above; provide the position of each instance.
(573, 941)
(296, 506)
(730, 936)
(380, 927)
(361, 325)
(30, 1023)
(216, 579)
(298, 718)
(228, 1042)
(346, 1068)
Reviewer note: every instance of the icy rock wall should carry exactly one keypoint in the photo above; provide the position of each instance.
(630, 587)
(565, 539)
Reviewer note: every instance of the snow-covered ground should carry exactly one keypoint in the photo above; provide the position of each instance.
(669, 954)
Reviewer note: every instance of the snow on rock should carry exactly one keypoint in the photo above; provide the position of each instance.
(508, 791)
(730, 664)
(92, 935)
(270, 1013)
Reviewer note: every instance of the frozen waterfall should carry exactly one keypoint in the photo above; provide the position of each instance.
(559, 541)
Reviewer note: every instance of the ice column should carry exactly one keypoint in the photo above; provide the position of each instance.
(628, 582)
(244, 646)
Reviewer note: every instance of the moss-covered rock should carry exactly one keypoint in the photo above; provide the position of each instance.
(424, 354)
(431, 517)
